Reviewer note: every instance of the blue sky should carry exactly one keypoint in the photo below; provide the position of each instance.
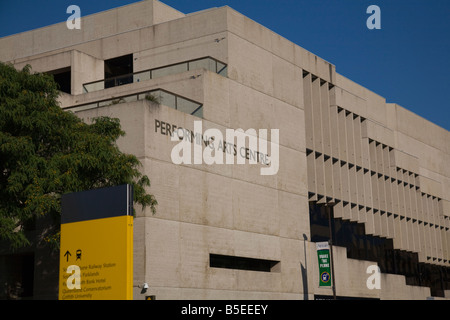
(407, 61)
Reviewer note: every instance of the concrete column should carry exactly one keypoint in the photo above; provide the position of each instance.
(309, 122)
(317, 117)
(85, 68)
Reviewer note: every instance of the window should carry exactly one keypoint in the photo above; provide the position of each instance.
(118, 71)
(63, 78)
(242, 263)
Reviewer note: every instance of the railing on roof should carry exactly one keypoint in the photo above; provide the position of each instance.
(208, 63)
(159, 96)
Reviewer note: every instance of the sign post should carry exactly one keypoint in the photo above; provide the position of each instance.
(96, 252)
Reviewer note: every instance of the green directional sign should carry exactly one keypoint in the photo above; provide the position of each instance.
(323, 254)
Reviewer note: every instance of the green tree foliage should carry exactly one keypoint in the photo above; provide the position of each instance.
(46, 152)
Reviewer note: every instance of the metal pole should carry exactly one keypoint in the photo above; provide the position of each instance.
(333, 284)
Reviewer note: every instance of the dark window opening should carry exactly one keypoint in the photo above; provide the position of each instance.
(16, 276)
(63, 78)
(318, 221)
(362, 246)
(241, 263)
(118, 71)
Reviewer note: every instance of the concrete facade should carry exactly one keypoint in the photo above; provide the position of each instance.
(340, 146)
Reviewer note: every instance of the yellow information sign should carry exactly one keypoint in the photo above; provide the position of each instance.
(96, 260)
(96, 255)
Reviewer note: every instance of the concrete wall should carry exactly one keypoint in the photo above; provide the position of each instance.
(233, 209)
(96, 26)
(222, 209)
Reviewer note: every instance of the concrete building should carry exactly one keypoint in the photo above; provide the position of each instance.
(375, 170)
